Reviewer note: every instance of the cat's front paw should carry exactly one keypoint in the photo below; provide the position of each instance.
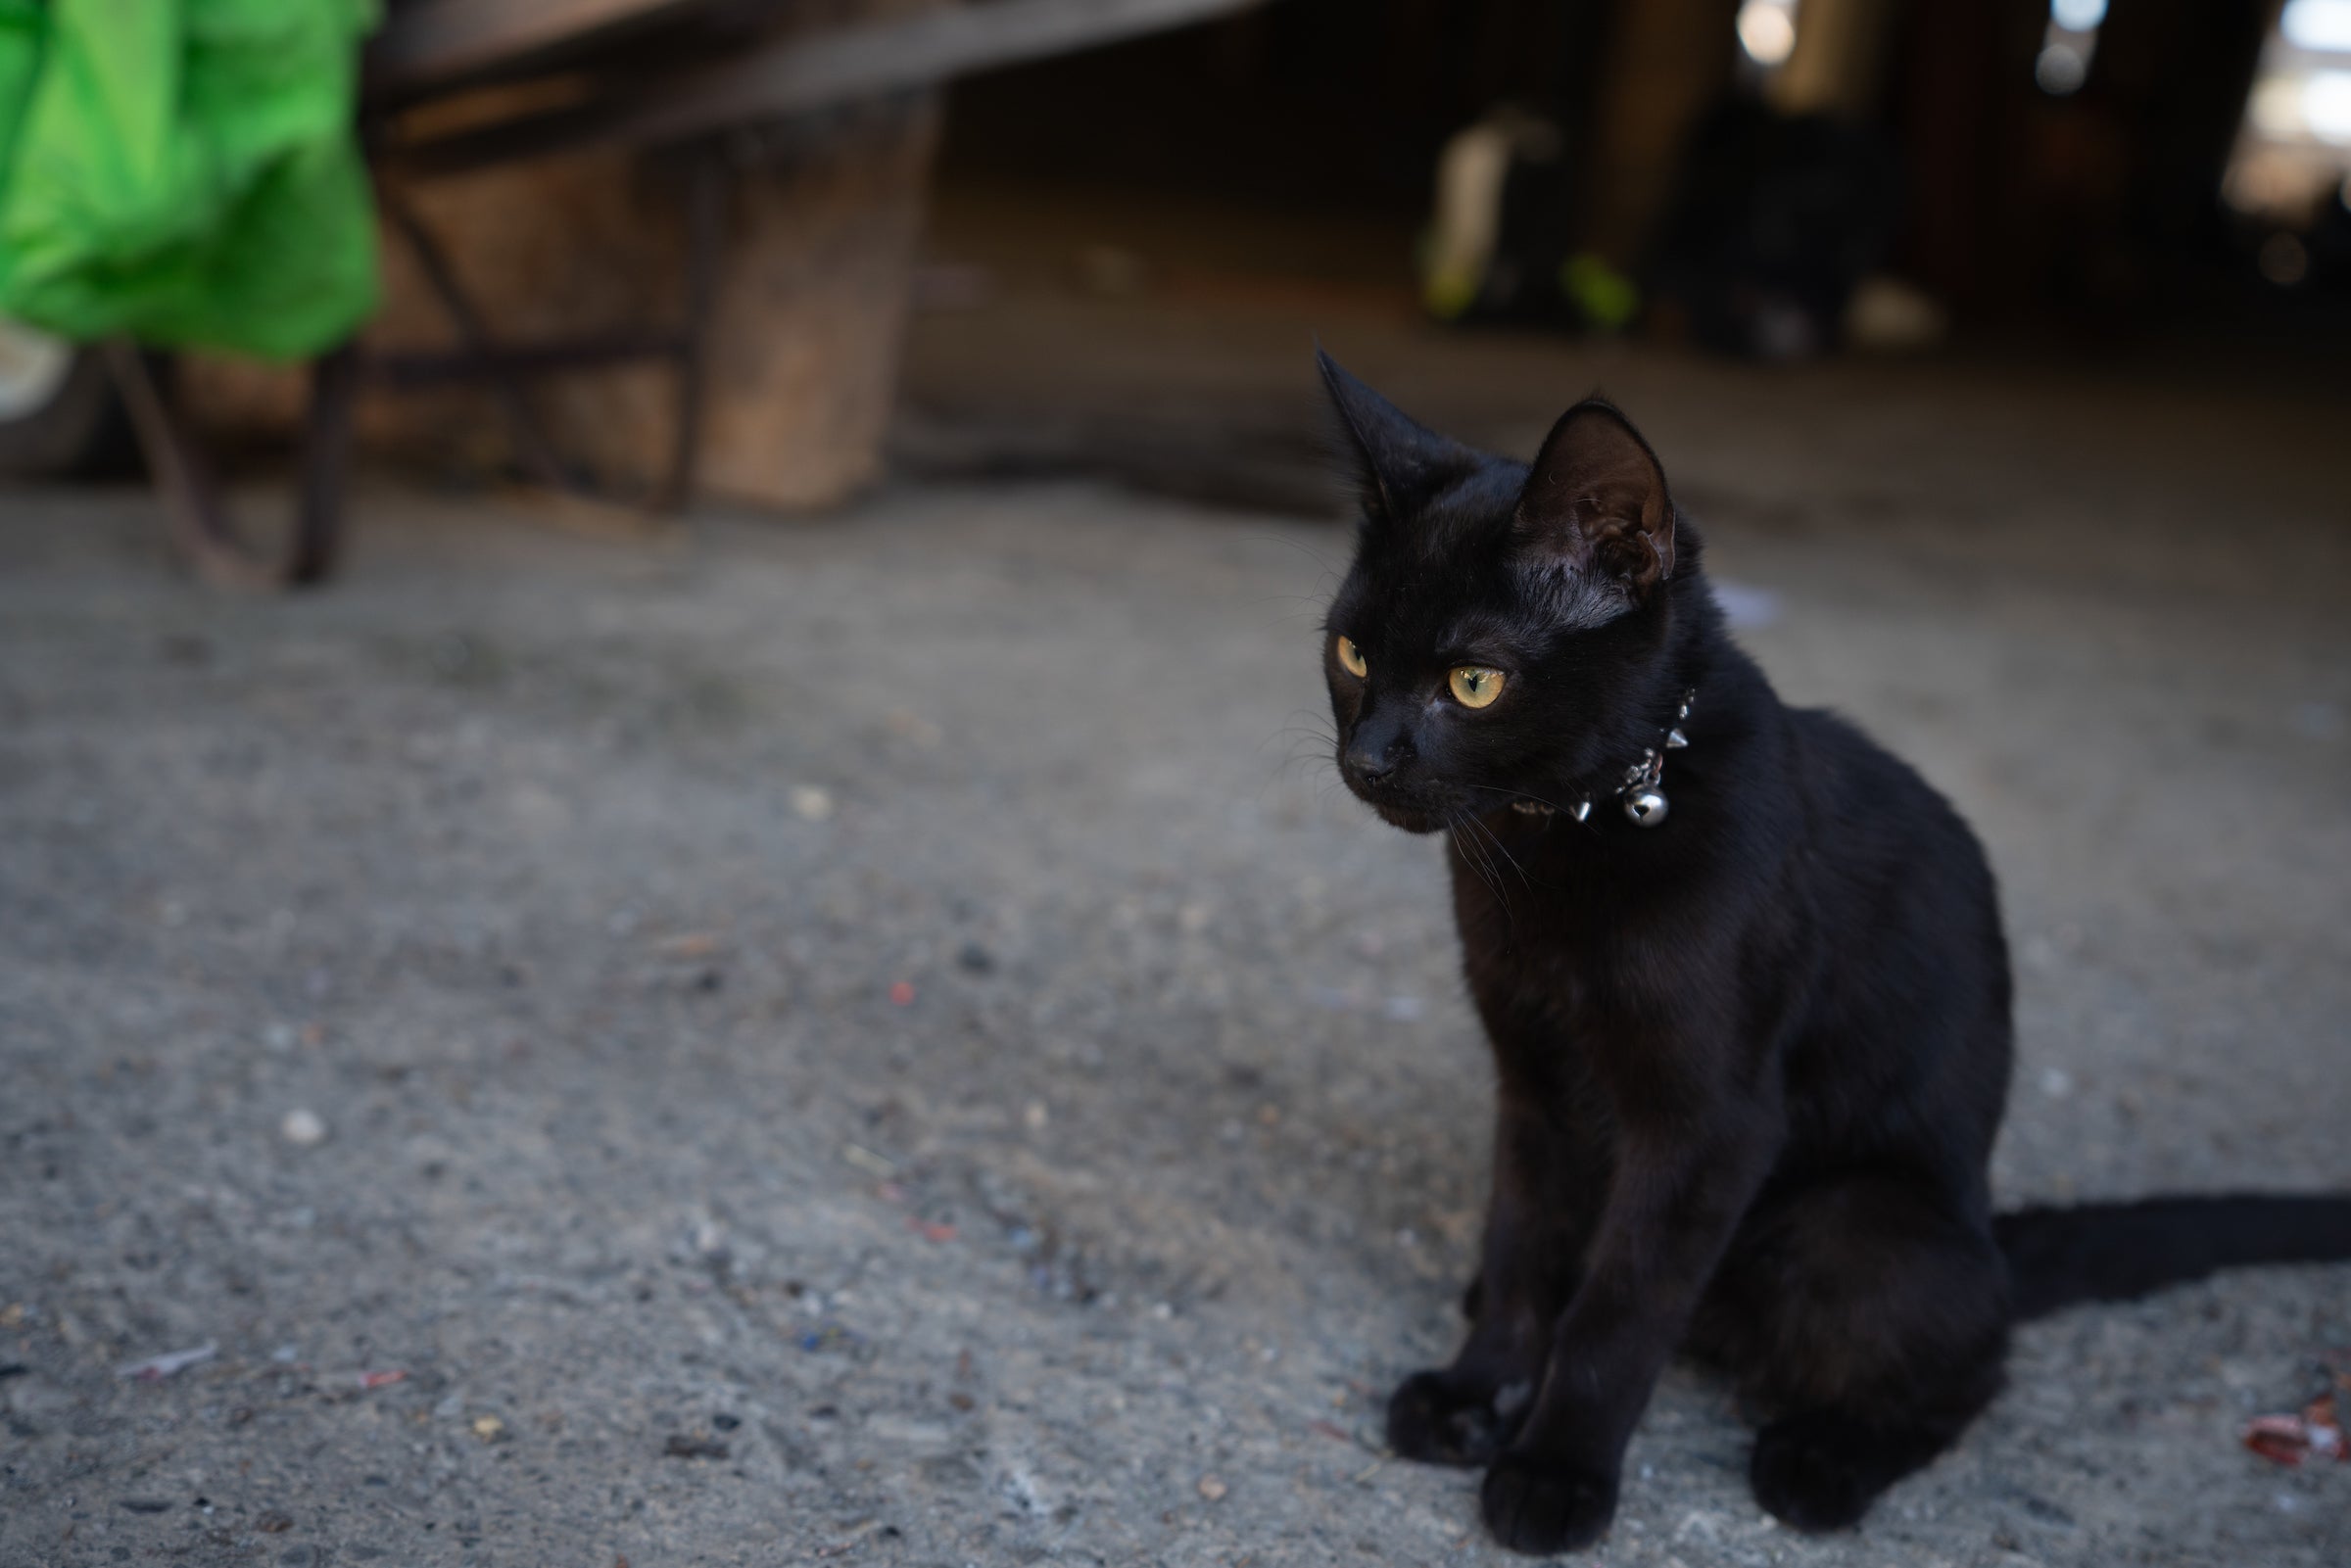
(1542, 1510)
(1442, 1417)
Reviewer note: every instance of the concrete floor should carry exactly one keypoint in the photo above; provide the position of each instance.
(880, 1041)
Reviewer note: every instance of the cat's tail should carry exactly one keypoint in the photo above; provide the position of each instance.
(2117, 1252)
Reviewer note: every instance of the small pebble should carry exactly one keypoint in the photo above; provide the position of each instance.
(303, 1128)
(915, 727)
(489, 1428)
(1211, 1487)
(2319, 721)
(812, 802)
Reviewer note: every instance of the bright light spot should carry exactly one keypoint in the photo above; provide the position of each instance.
(2078, 16)
(2060, 70)
(1767, 32)
(2277, 109)
(2277, 180)
(2323, 26)
(2327, 105)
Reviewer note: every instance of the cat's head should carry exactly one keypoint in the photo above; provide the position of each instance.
(1507, 631)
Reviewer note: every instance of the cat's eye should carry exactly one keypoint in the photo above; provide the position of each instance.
(1474, 685)
(1352, 658)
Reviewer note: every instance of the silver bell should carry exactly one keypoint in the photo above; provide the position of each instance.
(1646, 807)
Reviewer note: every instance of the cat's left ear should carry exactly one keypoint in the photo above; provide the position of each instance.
(1596, 499)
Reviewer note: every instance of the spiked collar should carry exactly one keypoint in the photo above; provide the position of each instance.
(1641, 792)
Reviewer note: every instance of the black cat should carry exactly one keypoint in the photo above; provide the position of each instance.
(1746, 989)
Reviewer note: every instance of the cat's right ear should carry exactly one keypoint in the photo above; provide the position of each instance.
(1398, 463)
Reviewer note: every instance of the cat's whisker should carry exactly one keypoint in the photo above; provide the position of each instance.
(1495, 838)
(1479, 862)
(1296, 742)
(1302, 608)
(1330, 573)
(1310, 738)
(1305, 752)
(1318, 599)
(1453, 831)
(1530, 880)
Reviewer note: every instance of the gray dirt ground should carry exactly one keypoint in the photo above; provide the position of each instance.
(1103, 1244)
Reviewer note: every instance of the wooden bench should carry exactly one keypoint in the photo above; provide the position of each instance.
(450, 86)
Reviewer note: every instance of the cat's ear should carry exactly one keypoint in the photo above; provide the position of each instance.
(1396, 463)
(1596, 499)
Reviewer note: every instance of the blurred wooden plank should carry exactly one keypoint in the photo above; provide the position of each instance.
(866, 62)
(802, 73)
(432, 41)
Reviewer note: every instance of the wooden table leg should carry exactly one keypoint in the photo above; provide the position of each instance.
(194, 510)
(706, 243)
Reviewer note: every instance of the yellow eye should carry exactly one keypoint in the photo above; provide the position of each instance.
(1474, 685)
(1352, 657)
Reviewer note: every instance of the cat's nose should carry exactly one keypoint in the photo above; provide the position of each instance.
(1375, 749)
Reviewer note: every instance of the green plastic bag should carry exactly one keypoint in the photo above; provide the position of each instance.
(186, 171)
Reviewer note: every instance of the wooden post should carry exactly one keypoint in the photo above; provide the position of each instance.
(1667, 62)
(1839, 68)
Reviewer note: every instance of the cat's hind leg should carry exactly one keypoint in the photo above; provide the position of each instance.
(1867, 1321)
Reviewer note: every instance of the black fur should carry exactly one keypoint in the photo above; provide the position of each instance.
(1751, 1059)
